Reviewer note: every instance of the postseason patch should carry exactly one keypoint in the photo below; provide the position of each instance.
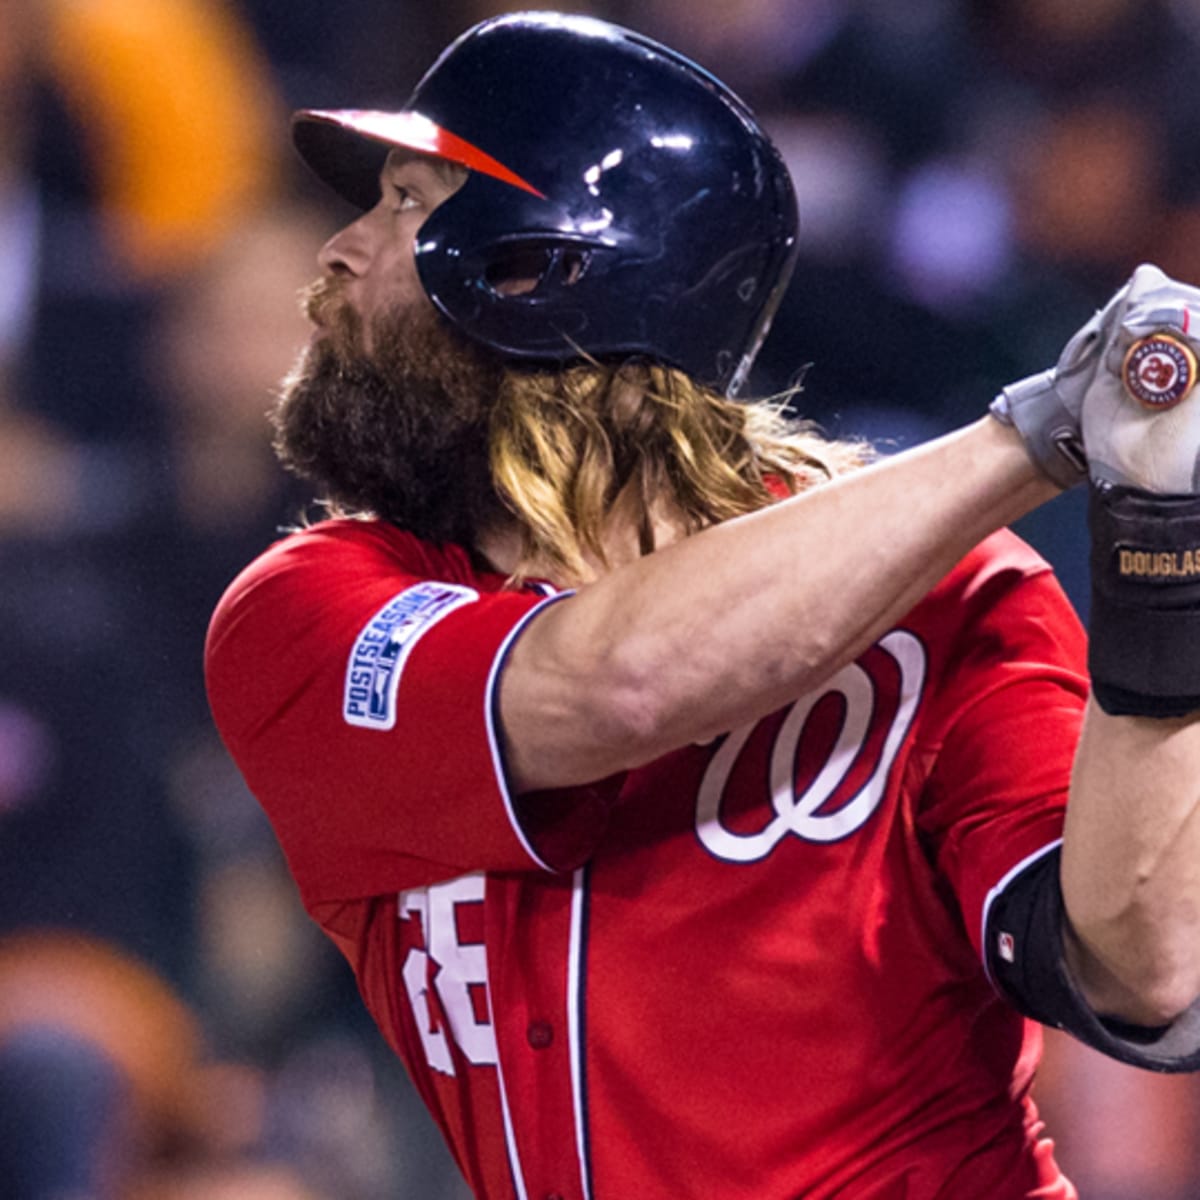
(1159, 371)
(382, 648)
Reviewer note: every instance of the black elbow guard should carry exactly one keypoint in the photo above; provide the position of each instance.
(1026, 960)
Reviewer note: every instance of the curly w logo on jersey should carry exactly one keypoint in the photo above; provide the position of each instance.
(381, 649)
(839, 798)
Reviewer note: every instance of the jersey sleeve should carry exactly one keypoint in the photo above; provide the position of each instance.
(352, 673)
(1010, 703)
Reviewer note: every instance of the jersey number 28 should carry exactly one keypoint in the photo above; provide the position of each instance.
(452, 969)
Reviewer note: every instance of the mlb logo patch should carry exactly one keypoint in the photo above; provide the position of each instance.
(382, 648)
(1007, 945)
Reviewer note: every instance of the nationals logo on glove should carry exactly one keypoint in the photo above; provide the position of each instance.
(1159, 371)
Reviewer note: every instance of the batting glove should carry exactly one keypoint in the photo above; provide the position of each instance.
(1045, 408)
(1139, 416)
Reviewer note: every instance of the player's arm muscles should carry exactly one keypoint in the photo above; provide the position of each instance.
(728, 625)
(1131, 866)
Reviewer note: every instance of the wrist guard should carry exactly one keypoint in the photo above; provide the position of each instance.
(1144, 630)
(1036, 408)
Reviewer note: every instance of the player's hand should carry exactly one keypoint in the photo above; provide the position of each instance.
(1045, 408)
(1140, 420)
(1139, 416)
(1134, 361)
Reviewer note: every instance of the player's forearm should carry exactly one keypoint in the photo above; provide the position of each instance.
(1131, 865)
(734, 622)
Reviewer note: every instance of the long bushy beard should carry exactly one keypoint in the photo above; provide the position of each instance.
(401, 432)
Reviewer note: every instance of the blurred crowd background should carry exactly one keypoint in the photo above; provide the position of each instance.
(975, 177)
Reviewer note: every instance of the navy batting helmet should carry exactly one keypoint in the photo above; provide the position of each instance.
(638, 191)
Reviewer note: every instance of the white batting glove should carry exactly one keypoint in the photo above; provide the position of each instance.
(1045, 408)
(1135, 361)
(1140, 425)
(1140, 420)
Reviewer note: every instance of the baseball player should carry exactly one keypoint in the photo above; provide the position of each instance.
(703, 812)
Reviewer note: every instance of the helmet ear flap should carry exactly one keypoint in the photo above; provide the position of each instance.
(496, 265)
(533, 272)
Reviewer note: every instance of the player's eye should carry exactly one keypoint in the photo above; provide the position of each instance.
(403, 199)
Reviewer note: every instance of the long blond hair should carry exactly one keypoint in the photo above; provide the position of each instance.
(566, 445)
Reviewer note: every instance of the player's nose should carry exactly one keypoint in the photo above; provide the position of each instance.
(348, 251)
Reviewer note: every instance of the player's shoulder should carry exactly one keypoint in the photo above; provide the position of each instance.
(309, 595)
(342, 542)
(345, 552)
(335, 563)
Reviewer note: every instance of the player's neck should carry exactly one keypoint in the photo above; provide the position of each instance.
(500, 543)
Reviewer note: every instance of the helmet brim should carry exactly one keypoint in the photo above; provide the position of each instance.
(346, 148)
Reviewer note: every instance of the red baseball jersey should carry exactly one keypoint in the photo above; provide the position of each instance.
(752, 969)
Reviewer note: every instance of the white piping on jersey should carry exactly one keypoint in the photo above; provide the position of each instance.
(575, 1032)
(489, 700)
(489, 712)
(998, 891)
(510, 1138)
